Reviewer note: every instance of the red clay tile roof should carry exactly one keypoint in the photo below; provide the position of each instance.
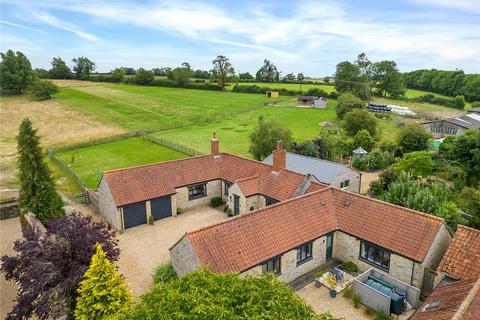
(462, 259)
(249, 186)
(151, 181)
(250, 239)
(458, 300)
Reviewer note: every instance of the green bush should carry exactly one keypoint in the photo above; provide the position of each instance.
(360, 163)
(348, 292)
(179, 210)
(350, 266)
(375, 188)
(380, 315)
(356, 300)
(319, 274)
(225, 208)
(382, 115)
(164, 273)
(216, 202)
(43, 89)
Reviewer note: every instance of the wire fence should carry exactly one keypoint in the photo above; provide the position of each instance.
(173, 145)
(62, 165)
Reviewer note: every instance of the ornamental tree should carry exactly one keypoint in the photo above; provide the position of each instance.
(49, 268)
(102, 292)
(37, 189)
(207, 295)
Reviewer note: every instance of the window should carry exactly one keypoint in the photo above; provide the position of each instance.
(269, 201)
(272, 265)
(304, 253)
(197, 191)
(375, 255)
(344, 184)
(226, 186)
(252, 208)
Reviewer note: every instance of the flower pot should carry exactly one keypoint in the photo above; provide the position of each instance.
(333, 293)
(318, 284)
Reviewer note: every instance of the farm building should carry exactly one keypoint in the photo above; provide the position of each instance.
(328, 172)
(272, 94)
(312, 101)
(454, 126)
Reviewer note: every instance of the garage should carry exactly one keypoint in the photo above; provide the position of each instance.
(134, 215)
(161, 207)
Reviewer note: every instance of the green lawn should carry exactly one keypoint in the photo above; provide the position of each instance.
(233, 132)
(291, 86)
(90, 162)
(143, 107)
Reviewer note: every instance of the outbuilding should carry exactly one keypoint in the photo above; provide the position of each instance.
(312, 101)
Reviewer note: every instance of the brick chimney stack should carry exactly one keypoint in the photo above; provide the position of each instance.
(279, 157)
(214, 146)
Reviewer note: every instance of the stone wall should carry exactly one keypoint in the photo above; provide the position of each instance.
(107, 207)
(214, 189)
(183, 257)
(235, 190)
(347, 248)
(348, 174)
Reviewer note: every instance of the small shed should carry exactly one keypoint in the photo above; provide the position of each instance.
(312, 101)
(359, 152)
(272, 94)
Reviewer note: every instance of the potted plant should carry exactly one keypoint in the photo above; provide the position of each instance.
(318, 275)
(332, 283)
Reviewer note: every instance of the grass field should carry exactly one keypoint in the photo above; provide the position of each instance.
(89, 162)
(144, 108)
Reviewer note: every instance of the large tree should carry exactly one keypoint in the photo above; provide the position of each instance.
(15, 73)
(388, 80)
(59, 69)
(83, 67)
(364, 64)
(182, 75)
(418, 163)
(37, 189)
(143, 77)
(207, 295)
(49, 267)
(357, 120)
(43, 89)
(413, 137)
(268, 72)
(346, 103)
(102, 292)
(349, 78)
(222, 70)
(264, 138)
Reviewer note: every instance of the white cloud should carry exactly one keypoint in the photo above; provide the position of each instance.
(8, 23)
(55, 22)
(471, 6)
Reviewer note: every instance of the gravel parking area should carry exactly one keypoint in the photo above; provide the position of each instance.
(10, 231)
(144, 247)
(319, 299)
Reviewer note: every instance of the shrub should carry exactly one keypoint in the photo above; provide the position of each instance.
(164, 273)
(151, 219)
(43, 89)
(348, 292)
(380, 315)
(350, 266)
(216, 202)
(319, 274)
(229, 212)
(346, 103)
(356, 300)
(360, 163)
(143, 77)
(225, 208)
(375, 188)
(357, 120)
(179, 210)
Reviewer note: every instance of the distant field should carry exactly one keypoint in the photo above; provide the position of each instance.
(143, 108)
(290, 86)
(89, 162)
(234, 132)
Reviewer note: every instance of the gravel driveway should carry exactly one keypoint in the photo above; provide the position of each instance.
(10, 231)
(144, 247)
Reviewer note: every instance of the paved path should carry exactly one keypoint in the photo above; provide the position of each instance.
(9, 232)
(144, 247)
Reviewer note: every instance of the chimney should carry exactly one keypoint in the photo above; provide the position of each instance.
(279, 157)
(214, 146)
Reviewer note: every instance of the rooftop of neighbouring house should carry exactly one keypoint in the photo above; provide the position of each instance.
(141, 183)
(250, 239)
(462, 259)
(310, 98)
(459, 300)
(325, 171)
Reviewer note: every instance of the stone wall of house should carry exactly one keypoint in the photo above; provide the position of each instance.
(347, 248)
(439, 247)
(254, 202)
(107, 207)
(235, 190)
(183, 257)
(289, 270)
(214, 189)
(348, 174)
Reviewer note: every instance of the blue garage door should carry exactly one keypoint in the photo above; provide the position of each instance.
(134, 215)
(161, 208)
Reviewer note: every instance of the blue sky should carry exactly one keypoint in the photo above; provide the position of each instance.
(298, 36)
